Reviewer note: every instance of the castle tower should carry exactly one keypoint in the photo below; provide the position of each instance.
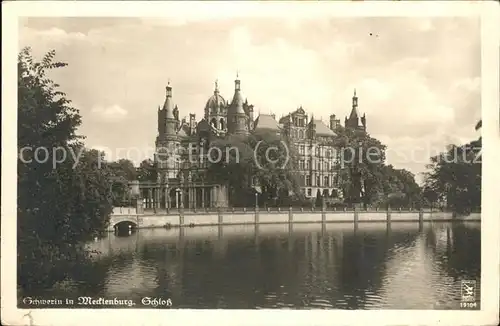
(170, 121)
(237, 119)
(353, 122)
(167, 141)
(216, 111)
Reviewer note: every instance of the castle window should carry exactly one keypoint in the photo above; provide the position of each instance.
(327, 181)
(301, 149)
(309, 191)
(301, 164)
(319, 166)
(301, 134)
(308, 180)
(318, 181)
(307, 164)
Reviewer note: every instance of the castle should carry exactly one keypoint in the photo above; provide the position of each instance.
(182, 182)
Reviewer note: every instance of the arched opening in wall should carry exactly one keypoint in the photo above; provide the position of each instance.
(222, 124)
(125, 228)
(334, 193)
(301, 134)
(207, 197)
(213, 123)
(198, 198)
(325, 194)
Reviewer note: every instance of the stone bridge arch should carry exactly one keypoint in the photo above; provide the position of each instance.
(117, 219)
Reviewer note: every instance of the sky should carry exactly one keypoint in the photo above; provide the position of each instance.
(417, 78)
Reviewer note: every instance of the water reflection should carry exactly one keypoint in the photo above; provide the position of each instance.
(278, 266)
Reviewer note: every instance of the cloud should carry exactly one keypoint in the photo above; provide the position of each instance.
(58, 37)
(110, 113)
(411, 82)
(51, 35)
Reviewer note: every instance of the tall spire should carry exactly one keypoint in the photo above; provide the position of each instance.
(355, 100)
(237, 118)
(216, 86)
(167, 106)
(237, 82)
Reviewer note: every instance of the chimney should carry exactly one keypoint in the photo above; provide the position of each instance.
(333, 122)
(192, 123)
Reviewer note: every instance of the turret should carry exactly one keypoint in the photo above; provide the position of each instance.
(168, 112)
(353, 121)
(237, 119)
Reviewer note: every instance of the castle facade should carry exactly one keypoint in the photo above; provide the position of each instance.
(182, 182)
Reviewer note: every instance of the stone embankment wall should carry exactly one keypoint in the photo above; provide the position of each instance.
(176, 218)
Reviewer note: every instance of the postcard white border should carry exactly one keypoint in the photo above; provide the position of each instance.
(490, 45)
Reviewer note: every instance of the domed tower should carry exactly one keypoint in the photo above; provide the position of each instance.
(237, 119)
(216, 111)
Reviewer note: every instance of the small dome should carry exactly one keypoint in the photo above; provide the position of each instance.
(215, 101)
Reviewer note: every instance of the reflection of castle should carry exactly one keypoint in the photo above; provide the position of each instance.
(181, 179)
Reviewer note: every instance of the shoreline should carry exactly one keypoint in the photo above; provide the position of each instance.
(193, 219)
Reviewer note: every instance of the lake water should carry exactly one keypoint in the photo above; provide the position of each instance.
(276, 266)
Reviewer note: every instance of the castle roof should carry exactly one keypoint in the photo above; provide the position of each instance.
(236, 106)
(322, 129)
(266, 121)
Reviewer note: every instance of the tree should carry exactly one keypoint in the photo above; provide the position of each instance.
(147, 171)
(249, 161)
(62, 201)
(431, 196)
(456, 176)
(361, 161)
(124, 168)
(123, 171)
(400, 188)
(274, 165)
